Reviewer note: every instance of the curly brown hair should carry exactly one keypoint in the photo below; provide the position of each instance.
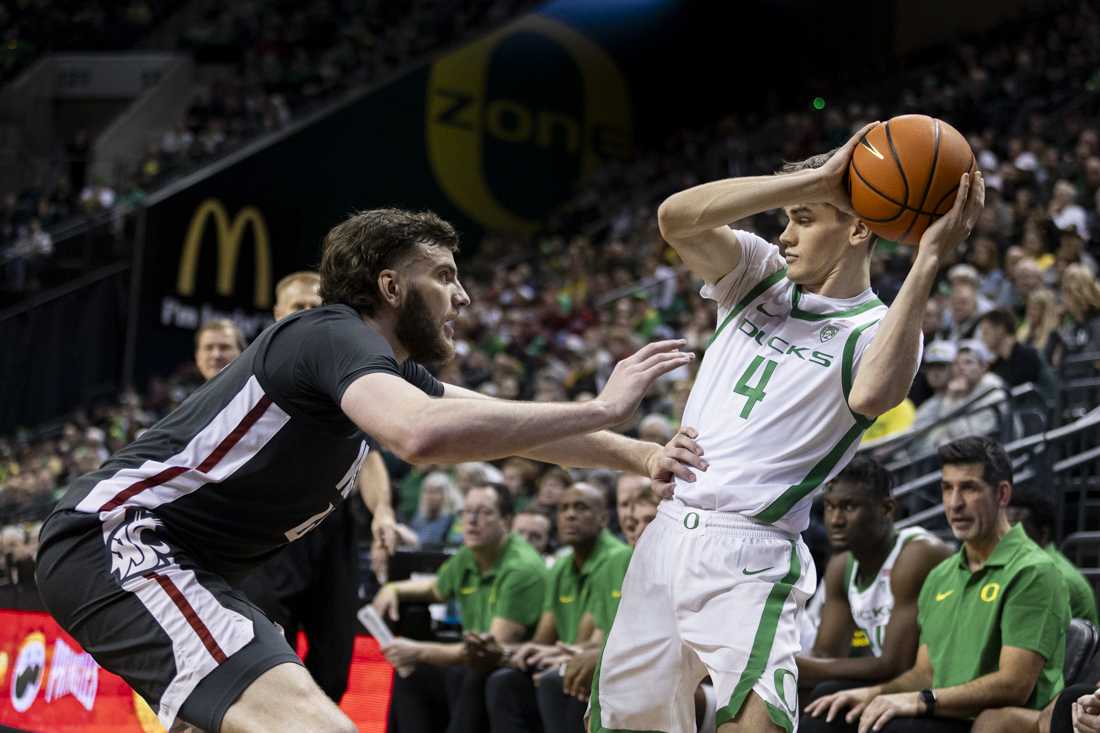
(358, 249)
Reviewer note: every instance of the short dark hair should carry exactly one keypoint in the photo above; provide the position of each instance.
(868, 474)
(222, 324)
(506, 506)
(368, 242)
(996, 466)
(1000, 317)
(1040, 507)
(537, 512)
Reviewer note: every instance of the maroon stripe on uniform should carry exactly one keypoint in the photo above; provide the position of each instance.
(188, 612)
(208, 463)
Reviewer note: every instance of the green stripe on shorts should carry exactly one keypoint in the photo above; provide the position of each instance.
(762, 643)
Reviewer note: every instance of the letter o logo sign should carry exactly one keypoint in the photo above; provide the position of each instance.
(476, 103)
(691, 520)
(990, 591)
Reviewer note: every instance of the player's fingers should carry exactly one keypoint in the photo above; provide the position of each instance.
(835, 707)
(854, 139)
(683, 441)
(677, 469)
(975, 202)
(655, 347)
(664, 489)
(689, 457)
(665, 363)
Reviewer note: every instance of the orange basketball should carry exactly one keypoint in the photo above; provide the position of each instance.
(904, 175)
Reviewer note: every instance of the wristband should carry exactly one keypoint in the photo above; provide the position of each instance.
(928, 697)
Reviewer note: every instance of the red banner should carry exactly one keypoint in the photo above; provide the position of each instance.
(48, 683)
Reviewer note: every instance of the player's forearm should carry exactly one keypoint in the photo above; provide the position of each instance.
(913, 680)
(885, 373)
(458, 430)
(720, 203)
(812, 670)
(441, 655)
(604, 449)
(422, 589)
(997, 690)
(374, 486)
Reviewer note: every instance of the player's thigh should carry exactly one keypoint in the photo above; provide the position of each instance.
(285, 698)
(1007, 720)
(753, 718)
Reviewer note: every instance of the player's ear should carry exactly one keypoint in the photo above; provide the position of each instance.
(390, 287)
(888, 506)
(859, 234)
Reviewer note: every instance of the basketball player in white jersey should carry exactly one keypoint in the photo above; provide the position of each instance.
(871, 583)
(803, 359)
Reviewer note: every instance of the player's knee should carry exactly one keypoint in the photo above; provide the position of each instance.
(989, 721)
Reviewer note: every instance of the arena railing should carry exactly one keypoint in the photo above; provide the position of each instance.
(1065, 459)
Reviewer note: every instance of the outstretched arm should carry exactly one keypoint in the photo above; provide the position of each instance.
(885, 372)
(421, 429)
(605, 449)
(696, 221)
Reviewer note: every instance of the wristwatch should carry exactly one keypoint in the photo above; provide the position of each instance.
(929, 699)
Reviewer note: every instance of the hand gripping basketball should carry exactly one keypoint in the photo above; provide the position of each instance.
(633, 376)
(949, 231)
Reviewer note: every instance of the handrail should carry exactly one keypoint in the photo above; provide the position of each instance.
(61, 291)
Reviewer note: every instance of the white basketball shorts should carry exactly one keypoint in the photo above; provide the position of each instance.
(706, 593)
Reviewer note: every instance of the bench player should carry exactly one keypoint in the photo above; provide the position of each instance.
(803, 359)
(139, 558)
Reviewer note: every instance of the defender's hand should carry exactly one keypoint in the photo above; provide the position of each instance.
(634, 375)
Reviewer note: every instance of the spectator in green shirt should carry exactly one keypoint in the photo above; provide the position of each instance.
(574, 584)
(993, 617)
(498, 582)
(1035, 511)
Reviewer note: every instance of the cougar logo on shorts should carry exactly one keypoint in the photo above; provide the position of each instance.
(30, 667)
(135, 549)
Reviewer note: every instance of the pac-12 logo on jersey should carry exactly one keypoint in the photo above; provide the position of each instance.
(828, 332)
(135, 546)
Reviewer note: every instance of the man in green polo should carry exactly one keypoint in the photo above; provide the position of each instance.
(1034, 510)
(498, 582)
(575, 582)
(992, 617)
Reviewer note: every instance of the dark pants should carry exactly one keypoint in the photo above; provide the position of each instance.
(312, 586)
(438, 699)
(510, 699)
(807, 724)
(1062, 722)
(560, 713)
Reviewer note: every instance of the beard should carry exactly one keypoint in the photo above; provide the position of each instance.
(419, 334)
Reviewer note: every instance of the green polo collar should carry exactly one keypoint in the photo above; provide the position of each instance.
(1002, 553)
(605, 542)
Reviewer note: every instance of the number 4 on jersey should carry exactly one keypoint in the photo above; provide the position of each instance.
(757, 393)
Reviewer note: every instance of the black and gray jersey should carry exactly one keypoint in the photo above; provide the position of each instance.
(260, 454)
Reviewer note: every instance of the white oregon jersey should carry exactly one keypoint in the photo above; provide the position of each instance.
(871, 606)
(770, 400)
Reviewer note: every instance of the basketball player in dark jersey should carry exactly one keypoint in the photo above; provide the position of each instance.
(139, 558)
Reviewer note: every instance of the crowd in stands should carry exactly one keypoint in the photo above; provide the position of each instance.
(1021, 298)
(268, 62)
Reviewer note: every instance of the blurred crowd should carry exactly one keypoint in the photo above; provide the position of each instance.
(263, 63)
(1020, 299)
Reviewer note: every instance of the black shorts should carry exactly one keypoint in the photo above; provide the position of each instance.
(181, 636)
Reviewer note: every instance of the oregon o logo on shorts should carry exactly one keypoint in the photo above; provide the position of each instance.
(989, 592)
(781, 676)
(486, 121)
(691, 520)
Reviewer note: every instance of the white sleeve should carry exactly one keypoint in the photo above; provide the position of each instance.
(868, 336)
(759, 259)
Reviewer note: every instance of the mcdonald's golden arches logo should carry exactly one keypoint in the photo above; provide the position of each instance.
(229, 249)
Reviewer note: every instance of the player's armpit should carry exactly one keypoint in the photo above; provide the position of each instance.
(710, 255)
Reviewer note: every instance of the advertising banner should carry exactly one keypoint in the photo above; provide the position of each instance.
(48, 684)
